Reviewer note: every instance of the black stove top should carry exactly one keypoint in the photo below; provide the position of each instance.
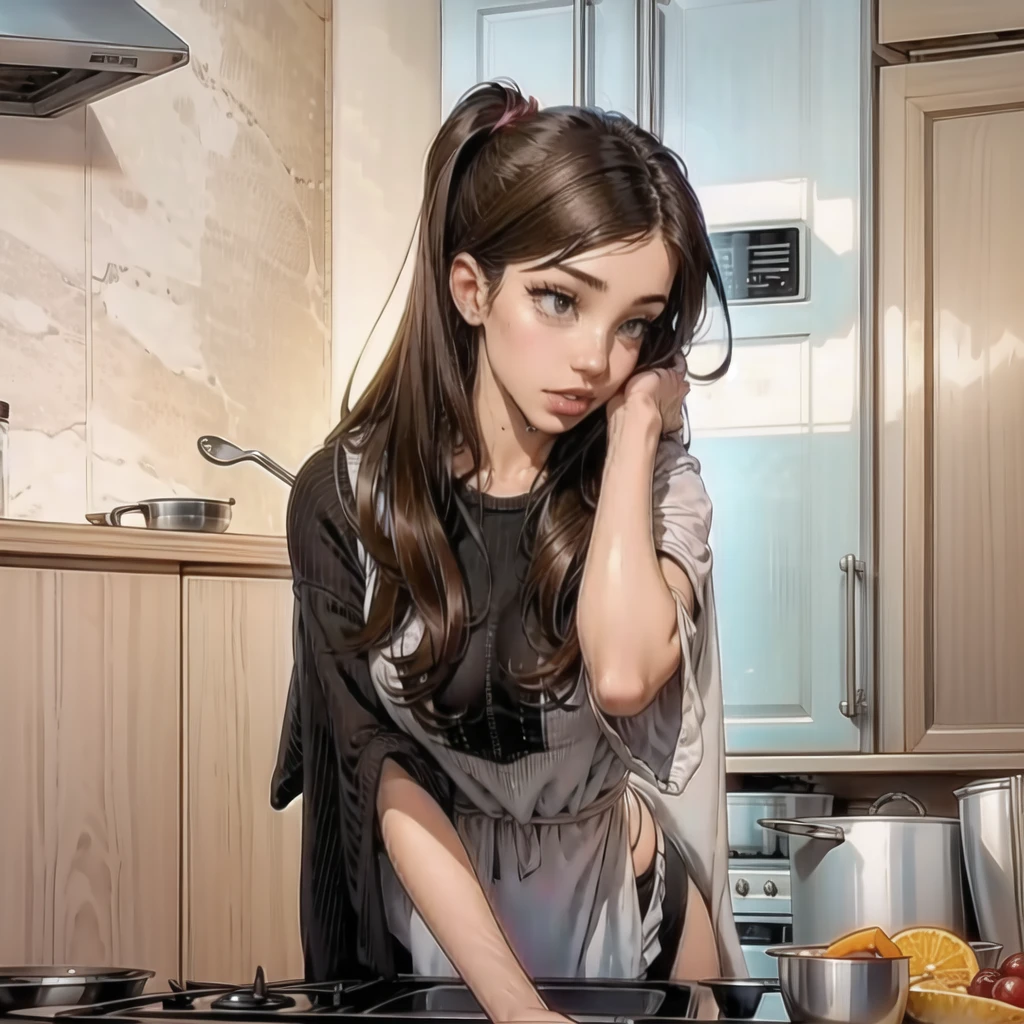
(405, 1000)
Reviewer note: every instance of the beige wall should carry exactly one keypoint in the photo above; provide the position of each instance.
(163, 264)
(387, 103)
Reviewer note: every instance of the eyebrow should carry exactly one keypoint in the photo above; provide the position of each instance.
(602, 286)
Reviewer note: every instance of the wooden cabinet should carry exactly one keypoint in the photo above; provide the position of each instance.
(242, 858)
(914, 21)
(89, 729)
(951, 431)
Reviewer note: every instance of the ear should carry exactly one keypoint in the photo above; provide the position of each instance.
(469, 289)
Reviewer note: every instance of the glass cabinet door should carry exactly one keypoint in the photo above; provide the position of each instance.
(560, 51)
(529, 41)
(761, 98)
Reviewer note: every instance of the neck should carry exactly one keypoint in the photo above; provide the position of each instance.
(512, 454)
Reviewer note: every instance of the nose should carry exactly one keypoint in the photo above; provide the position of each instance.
(590, 354)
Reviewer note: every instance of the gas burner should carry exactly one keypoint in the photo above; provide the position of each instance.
(258, 997)
(181, 998)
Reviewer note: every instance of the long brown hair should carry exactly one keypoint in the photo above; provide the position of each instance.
(506, 184)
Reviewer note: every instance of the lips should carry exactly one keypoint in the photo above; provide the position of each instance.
(563, 403)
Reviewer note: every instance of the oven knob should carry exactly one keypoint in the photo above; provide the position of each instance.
(742, 887)
(770, 888)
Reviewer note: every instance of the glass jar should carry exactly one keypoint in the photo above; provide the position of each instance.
(5, 468)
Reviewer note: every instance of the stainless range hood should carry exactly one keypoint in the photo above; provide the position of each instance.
(56, 55)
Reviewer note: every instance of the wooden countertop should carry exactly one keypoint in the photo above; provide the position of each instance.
(26, 541)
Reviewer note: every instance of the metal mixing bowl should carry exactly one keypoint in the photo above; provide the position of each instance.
(841, 990)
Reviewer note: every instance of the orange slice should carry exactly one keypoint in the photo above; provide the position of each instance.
(867, 940)
(930, 1004)
(940, 955)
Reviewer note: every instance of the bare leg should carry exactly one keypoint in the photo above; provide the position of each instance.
(697, 957)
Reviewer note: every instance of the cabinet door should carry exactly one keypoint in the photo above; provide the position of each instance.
(538, 44)
(89, 751)
(242, 858)
(952, 423)
(529, 41)
(762, 101)
(909, 21)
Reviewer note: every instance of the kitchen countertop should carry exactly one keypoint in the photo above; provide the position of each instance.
(23, 542)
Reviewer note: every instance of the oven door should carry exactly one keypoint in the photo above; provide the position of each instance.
(758, 932)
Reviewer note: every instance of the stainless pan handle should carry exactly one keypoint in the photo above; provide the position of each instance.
(807, 829)
(271, 466)
(115, 514)
(887, 798)
(856, 701)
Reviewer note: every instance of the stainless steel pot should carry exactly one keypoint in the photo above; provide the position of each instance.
(744, 811)
(885, 870)
(991, 826)
(202, 515)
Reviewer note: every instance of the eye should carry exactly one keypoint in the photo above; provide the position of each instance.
(553, 302)
(635, 330)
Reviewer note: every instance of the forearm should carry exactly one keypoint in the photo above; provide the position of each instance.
(626, 614)
(434, 869)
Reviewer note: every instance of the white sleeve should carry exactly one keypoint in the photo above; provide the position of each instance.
(676, 746)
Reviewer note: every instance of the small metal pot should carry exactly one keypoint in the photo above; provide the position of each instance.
(745, 810)
(884, 870)
(198, 515)
(30, 988)
(837, 990)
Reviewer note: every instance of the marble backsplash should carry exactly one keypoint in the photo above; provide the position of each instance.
(164, 272)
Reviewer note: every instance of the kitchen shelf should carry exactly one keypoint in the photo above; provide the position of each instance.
(25, 542)
(879, 764)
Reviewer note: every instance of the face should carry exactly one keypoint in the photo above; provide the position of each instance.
(558, 343)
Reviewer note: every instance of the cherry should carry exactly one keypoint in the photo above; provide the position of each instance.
(983, 982)
(1013, 966)
(1009, 990)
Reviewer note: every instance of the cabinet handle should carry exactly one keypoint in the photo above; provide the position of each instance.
(646, 16)
(658, 89)
(582, 52)
(856, 701)
(650, 66)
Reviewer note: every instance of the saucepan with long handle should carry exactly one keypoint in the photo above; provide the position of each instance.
(225, 453)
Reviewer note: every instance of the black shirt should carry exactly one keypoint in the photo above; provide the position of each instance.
(336, 733)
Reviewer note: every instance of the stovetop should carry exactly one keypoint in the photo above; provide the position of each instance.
(407, 999)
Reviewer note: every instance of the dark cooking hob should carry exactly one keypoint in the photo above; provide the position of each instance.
(405, 1000)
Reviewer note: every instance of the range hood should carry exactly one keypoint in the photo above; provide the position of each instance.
(56, 55)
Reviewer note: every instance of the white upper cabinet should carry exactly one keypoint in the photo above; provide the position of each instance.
(763, 101)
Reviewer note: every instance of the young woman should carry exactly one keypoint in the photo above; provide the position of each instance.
(506, 715)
